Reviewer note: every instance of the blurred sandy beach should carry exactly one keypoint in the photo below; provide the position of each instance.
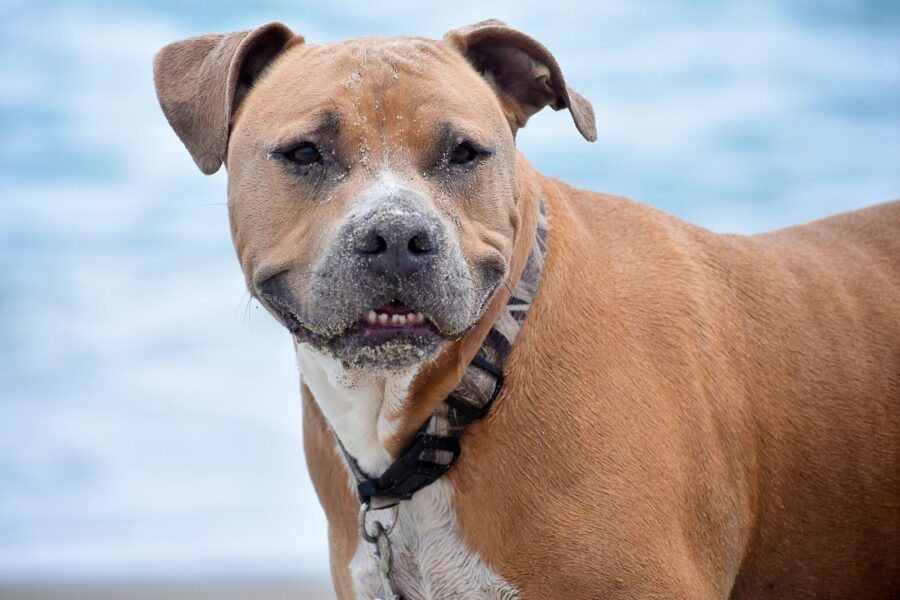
(184, 589)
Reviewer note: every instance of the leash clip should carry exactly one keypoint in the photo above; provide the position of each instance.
(382, 546)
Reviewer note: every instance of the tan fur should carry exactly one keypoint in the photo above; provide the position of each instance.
(686, 415)
(742, 392)
(330, 478)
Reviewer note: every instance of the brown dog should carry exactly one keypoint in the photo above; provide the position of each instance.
(684, 414)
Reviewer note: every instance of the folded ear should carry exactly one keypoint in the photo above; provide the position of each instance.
(523, 72)
(201, 81)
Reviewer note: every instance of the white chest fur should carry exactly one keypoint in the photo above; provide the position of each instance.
(430, 559)
(356, 404)
(431, 562)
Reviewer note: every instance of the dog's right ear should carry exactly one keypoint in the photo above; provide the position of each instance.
(523, 72)
(201, 81)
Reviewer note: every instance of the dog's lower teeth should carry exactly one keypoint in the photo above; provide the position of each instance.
(381, 318)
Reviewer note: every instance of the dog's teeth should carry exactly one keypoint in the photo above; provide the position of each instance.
(380, 318)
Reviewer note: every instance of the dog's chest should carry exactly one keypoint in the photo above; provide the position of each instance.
(430, 560)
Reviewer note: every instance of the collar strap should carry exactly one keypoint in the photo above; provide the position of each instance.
(436, 444)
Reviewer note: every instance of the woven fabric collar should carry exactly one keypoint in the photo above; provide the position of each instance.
(436, 445)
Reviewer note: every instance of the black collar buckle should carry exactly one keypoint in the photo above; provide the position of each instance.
(413, 469)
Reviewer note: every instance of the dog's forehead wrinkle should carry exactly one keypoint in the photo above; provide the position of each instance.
(394, 53)
(370, 70)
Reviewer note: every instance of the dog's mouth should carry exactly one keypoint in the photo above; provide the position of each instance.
(393, 321)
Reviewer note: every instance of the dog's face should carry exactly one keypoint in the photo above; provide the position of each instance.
(373, 205)
(372, 183)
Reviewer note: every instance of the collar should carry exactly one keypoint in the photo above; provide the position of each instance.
(436, 446)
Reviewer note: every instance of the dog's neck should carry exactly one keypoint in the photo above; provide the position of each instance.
(360, 407)
(375, 414)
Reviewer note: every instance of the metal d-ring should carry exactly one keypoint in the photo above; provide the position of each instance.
(364, 509)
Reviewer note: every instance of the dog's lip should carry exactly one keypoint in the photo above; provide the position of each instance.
(292, 323)
(289, 319)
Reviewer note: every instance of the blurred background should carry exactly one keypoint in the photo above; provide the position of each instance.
(150, 435)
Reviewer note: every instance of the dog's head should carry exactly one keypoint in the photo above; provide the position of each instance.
(372, 183)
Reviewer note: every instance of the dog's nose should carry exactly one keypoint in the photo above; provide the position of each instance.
(395, 244)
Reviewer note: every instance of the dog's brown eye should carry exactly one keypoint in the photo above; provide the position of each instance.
(462, 154)
(304, 154)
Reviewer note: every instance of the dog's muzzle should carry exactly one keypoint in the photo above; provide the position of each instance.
(390, 289)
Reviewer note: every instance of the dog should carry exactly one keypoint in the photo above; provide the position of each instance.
(676, 413)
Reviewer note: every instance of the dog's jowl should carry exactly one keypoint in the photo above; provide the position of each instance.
(516, 389)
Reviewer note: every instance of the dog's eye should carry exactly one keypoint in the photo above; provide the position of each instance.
(462, 154)
(305, 154)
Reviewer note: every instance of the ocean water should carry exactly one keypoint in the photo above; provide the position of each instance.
(150, 414)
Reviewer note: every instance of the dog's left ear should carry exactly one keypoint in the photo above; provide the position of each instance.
(523, 72)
